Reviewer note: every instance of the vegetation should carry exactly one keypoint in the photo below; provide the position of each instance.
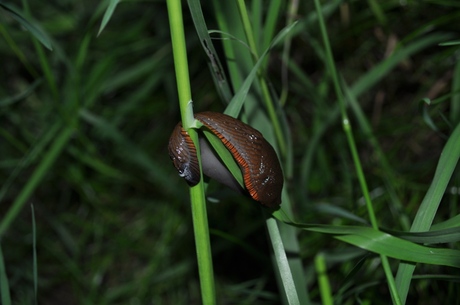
(362, 105)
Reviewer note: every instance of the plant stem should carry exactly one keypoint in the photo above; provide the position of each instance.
(198, 202)
(354, 152)
(323, 280)
(265, 91)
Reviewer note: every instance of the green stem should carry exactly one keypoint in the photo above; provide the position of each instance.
(323, 280)
(198, 202)
(265, 92)
(354, 152)
(48, 160)
(43, 60)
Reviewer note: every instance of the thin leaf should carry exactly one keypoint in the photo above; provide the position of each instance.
(218, 73)
(389, 245)
(282, 262)
(425, 214)
(450, 223)
(235, 105)
(31, 26)
(225, 156)
(108, 14)
(4, 286)
(448, 235)
(22, 95)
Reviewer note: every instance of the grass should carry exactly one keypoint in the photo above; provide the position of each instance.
(85, 127)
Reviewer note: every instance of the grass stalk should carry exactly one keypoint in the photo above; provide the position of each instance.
(430, 204)
(352, 145)
(48, 160)
(43, 60)
(198, 201)
(4, 284)
(34, 253)
(265, 91)
(323, 280)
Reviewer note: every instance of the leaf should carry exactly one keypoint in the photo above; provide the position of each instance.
(386, 244)
(429, 206)
(4, 285)
(237, 102)
(448, 235)
(225, 156)
(216, 67)
(108, 14)
(31, 26)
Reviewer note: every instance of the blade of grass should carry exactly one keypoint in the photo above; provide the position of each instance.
(323, 280)
(218, 72)
(455, 101)
(34, 253)
(371, 78)
(225, 156)
(36, 177)
(282, 262)
(31, 26)
(45, 64)
(19, 53)
(427, 210)
(198, 202)
(234, 108)
(450, 223)
(108, 14)
(4, 284)
(267, 98)
(362, 85)
(388, 172)
(136, 155)
(386, 244)
(37, 149)
(353, 149)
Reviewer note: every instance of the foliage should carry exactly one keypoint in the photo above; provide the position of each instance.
(87, 102)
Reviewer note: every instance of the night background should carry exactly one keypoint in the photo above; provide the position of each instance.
(87, 183)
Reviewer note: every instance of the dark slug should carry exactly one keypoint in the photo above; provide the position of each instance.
(262, 174)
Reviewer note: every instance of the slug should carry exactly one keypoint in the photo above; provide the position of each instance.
(262, 174)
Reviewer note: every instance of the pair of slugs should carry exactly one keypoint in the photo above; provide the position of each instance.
(262, 174)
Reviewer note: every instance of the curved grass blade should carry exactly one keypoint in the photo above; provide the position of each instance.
(108, 14)
(22, 95)
(385, 244)
(450, 223)
(425, 214)
(37, 176)
(31, 26)
(448, 235)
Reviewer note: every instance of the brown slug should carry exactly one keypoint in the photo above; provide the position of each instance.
(262, 174)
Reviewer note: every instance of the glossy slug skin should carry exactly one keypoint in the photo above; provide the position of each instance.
(182, 152)
(263, 177)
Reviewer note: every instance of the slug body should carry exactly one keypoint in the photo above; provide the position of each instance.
(263, 177)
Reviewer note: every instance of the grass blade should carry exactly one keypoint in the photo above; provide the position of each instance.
(31, 26)
(425, 214)
(37, 176)
(282, 262)
(4, 286)
(108, 14)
